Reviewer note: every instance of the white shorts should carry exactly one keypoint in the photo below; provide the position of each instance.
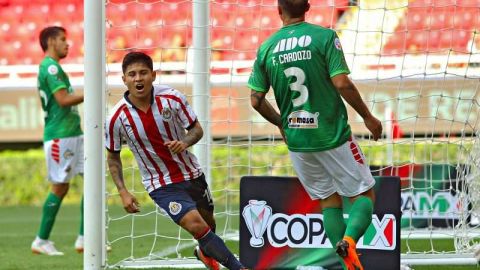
(342, 170)
(64, 158)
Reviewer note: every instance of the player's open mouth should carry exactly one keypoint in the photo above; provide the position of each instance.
(139, 86)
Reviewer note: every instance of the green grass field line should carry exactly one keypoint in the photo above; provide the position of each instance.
(19, 224)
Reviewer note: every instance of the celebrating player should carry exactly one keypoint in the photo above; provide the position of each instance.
(159, 125)
(62, 136)
(305, 66)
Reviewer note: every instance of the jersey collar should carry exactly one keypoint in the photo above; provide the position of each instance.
(129, 102)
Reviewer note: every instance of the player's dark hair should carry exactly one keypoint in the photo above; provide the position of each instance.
(294, 8)
(136, 57)
(49, 32)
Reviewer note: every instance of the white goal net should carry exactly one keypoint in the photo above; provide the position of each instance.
(416, 64)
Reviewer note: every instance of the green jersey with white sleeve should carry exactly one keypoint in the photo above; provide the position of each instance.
(298, 62)
(60, 122)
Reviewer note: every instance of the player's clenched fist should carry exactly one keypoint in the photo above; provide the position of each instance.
(176, 146)
(375, 126)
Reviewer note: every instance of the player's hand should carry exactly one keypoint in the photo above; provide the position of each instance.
(130, 203)
(375, 126)
(176, 146)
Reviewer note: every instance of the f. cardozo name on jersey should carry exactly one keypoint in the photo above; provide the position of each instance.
(295, 56)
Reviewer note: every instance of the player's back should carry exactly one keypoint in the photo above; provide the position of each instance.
(299, 61)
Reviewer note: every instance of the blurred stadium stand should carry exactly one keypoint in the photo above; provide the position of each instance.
(436, 26)
(163, 28)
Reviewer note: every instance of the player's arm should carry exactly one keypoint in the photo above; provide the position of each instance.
(64, 99)
(350, 93)
(130, 203)
(194, 134)
(265, 109)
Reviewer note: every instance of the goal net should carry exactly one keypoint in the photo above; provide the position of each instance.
(416, 64)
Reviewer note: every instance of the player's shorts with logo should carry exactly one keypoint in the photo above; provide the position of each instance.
(179, 198)
(342, 170)
(64, 158)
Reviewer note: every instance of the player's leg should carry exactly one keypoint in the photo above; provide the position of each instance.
(78, 165)
(360, 215)
(58, 157)
(50, 209)
(180, 206)
(200, 193)
(333, 218)
(318, 183)
(352, 179)
(79, 242)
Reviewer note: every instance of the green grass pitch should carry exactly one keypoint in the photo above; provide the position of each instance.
(19, 224)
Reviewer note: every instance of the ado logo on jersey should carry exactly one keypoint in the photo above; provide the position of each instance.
(291, 43)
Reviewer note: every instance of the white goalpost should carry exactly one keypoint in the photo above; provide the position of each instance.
(94, 119)
(423, 86)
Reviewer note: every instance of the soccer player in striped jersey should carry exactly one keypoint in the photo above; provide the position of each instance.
(305, 66)
(159, 126)
(62, 136)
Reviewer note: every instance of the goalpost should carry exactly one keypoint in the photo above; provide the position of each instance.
(425, 92)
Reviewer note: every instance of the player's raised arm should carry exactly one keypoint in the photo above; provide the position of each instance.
(350, 93)
(130, 203)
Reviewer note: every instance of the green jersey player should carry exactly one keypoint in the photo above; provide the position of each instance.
(63, 137)
(305, 66)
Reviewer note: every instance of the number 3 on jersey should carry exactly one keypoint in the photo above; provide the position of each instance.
(297, 85)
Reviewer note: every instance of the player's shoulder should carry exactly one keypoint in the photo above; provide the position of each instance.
(319, 30)
(117, 108)
(166, 90)
(49, 66)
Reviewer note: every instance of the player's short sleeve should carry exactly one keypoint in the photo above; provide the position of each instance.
(186, 115)
(258, 79)
(334, 56)
(113, 132)
(54, 78)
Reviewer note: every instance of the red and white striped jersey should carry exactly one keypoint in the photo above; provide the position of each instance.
(146, 133)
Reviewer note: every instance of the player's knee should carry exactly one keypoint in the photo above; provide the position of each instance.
(60, 190)
(370, 194)
(209, 218)
(194, 224)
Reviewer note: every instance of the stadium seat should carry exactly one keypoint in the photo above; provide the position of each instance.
(220, 15)
(9, 54)
(270, 18)
(243, 17)
(324, 16)
(66, 9)
(222, 38)
(465, 17)
(117, 13)
(246, 39)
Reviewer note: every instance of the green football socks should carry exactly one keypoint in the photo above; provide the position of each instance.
(360, 217)
(50, 210)
(334, 224)
(81, 218)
